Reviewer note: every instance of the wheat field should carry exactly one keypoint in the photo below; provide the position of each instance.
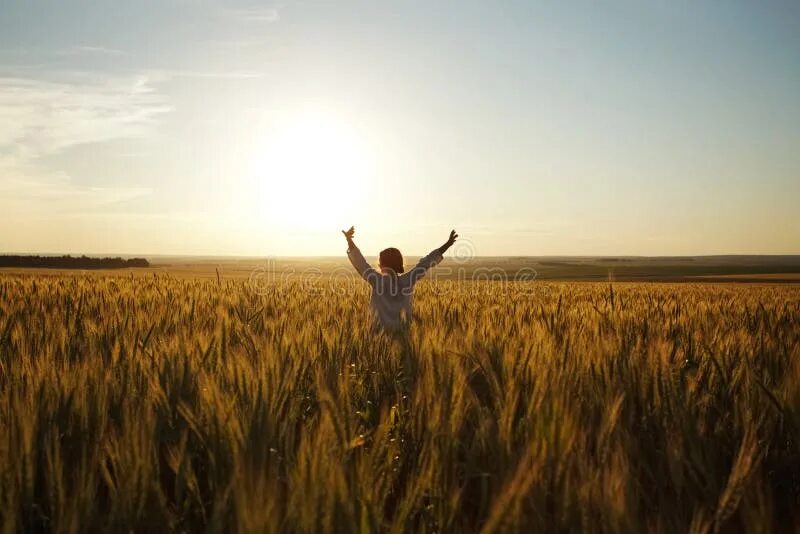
(164, 404)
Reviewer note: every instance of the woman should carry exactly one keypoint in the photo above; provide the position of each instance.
(392, 288)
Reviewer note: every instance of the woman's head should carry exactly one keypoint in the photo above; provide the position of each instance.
(391, 258)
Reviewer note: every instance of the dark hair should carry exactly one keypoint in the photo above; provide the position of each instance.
(391, 258)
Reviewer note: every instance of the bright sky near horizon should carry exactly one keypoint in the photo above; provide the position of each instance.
(534, 128)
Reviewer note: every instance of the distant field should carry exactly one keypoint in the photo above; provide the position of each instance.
(772, 277)
(154, 402)
(784, 269)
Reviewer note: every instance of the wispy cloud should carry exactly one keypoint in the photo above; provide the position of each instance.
(39, 117)
(255, 14)
(39, 189)
(90, 50)
(44, 117)
(166, 74)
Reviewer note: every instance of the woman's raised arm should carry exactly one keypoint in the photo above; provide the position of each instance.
(431, 259)
(360, 264)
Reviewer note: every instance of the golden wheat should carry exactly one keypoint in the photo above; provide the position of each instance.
(156, 403)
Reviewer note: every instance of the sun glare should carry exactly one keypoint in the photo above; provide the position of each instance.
(310, 172)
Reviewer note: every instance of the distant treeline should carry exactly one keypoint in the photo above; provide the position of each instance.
(71, 262)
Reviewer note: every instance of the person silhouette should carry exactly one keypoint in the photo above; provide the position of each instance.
(392, 287)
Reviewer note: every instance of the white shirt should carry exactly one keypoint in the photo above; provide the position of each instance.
(392, 293)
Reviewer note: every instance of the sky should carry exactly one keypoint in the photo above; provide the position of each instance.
(533, 128)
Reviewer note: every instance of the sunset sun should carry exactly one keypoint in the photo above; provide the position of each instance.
(310, 172)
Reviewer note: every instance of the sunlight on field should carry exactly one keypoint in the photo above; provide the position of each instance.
(156, 402)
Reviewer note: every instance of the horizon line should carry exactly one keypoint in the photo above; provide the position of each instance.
(343, 256)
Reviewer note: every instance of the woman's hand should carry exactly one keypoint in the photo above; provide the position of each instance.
(449, 242)
(348, 234)
(452, 238)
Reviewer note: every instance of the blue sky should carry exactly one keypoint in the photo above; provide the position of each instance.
(210, 127)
